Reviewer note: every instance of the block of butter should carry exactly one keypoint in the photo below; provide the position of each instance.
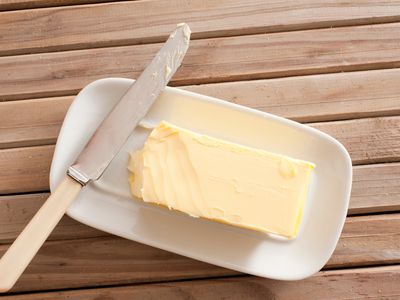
(211, 178)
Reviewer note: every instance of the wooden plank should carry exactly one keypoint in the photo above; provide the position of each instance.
(208, 60)
(28, 4)
(314, 98)
(371, 140)
(375, 188)
(127, 23)
(25, 169)
(104, 261)
(31, 123)
(371, 283)
(366, 240)
(368, 140)
(16, 211)
(304, 98)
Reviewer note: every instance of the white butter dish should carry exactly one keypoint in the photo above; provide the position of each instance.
(108, 206)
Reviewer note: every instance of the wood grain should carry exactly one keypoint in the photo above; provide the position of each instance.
(21, 252)
(105, 261)
(366, 240)
(370, 140)
(303, 98)
(25, 169)
(31, 123)
(29, 4)
(317, 97)
(371, 283)
(127, 23)
(375, 188)
(17, 210)
(208, 60)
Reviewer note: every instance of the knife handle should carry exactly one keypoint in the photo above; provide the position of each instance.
(27, 244)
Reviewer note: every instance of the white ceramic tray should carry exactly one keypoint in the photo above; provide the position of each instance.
(107, 204)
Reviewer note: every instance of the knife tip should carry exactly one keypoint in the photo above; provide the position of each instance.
(186, 30)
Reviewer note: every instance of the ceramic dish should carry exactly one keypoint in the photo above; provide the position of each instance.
(108, 205)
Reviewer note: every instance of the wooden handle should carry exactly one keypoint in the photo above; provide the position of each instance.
(27, 244)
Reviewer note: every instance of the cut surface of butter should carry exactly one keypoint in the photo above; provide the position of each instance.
(211, 178)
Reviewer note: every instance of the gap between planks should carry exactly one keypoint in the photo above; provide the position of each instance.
(209, 61)
(139, 22)
(374, 283)
(370, 140)
(365, 241)
(304, 98)
(375, 190)
(11, 5)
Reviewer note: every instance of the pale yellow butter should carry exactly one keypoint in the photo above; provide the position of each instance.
(222, 181)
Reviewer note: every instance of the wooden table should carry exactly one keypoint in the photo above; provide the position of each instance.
(331, 64)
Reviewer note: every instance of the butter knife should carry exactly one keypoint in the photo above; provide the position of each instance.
(105, 143)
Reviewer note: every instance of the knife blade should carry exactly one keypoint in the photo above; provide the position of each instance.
(97, 154)
(133, 106)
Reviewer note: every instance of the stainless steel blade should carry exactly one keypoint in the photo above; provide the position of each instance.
(133, 106)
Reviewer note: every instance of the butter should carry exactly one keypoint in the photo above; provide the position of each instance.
(210, 178)
(168, 71)
(186, 31)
